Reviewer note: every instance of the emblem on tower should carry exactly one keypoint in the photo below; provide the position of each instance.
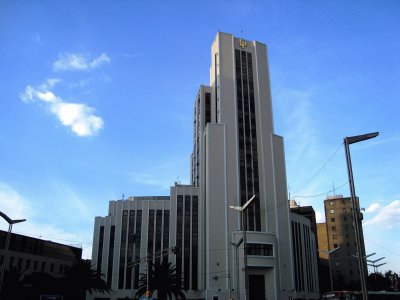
(242, 43)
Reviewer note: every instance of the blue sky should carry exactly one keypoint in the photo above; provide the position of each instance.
(97, 100)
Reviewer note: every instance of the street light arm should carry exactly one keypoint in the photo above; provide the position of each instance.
(248, 202)
(242, 208)
(359, 138)
(9, 220)
(5, 217)
(17, 221)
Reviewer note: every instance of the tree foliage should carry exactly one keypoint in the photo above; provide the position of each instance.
(163, 279)
(389, 281)
(77, 280)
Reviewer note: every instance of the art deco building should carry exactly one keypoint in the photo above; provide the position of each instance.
(236, 155)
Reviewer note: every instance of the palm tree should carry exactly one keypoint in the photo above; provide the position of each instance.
(80, 278)
(163, 279)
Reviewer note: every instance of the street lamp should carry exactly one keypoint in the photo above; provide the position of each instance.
(242, 209)
(372, 263)
(356, 206)
(329, 252)
(236, 245)
(10, 224)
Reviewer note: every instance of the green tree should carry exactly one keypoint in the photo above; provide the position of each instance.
(164, 280)
(82, 277)
(377, 282)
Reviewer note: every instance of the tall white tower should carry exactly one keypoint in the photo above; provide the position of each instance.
(237, 155)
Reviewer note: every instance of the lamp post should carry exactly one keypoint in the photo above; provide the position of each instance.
(356, 207)
(10, 224)
(242, 210)
(236, 245)
(329, 252)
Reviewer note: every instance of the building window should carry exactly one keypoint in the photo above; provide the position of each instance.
(333, 228)
(332, 219)
(334, 245)
(35, 265)
(99, 253)
(334, 237)
(332, 211)
(259, 249)
(11, 262)
(331, 203)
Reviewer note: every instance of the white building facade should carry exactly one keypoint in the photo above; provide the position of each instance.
(236, 155)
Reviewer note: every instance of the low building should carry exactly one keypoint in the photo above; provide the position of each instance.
(304, 245)
(30, 255)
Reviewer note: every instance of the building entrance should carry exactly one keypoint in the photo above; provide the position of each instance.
(256, 287)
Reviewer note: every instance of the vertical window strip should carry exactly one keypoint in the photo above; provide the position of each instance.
(122, 252)
(195, 240)
(138, 236)
(131, 243)
(158, 231)
(179, 223)
(100, 249)
(186, 251)
(166, 232)
(110, 256)
(253, 135)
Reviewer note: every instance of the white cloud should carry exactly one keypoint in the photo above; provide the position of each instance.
(373, 207)
(79, 62)
(387, 217)
(11, 203)
(16, 206)
(78, 117)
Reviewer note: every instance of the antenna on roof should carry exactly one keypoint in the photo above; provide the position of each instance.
(123, 196)
(334, 190)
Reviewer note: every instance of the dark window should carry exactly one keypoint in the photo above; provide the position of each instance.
(28, 264)
(186, 242)
(166, 232)
(195, 239)
(110, 255)
(179, 222)
(43, 266)
(150, 235)
(159, 216)
(247, 133)
(100, 250)
(138, 236)
(35, 265)
(122, 252)
(332, 219)
(20, 264)
(259, 249)
(131, 242)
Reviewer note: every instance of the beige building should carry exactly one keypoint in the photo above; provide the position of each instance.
(338, 231)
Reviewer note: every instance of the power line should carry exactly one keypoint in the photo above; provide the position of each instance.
(388, 250)
(51, 238)
(323, 166)
(313, 196)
